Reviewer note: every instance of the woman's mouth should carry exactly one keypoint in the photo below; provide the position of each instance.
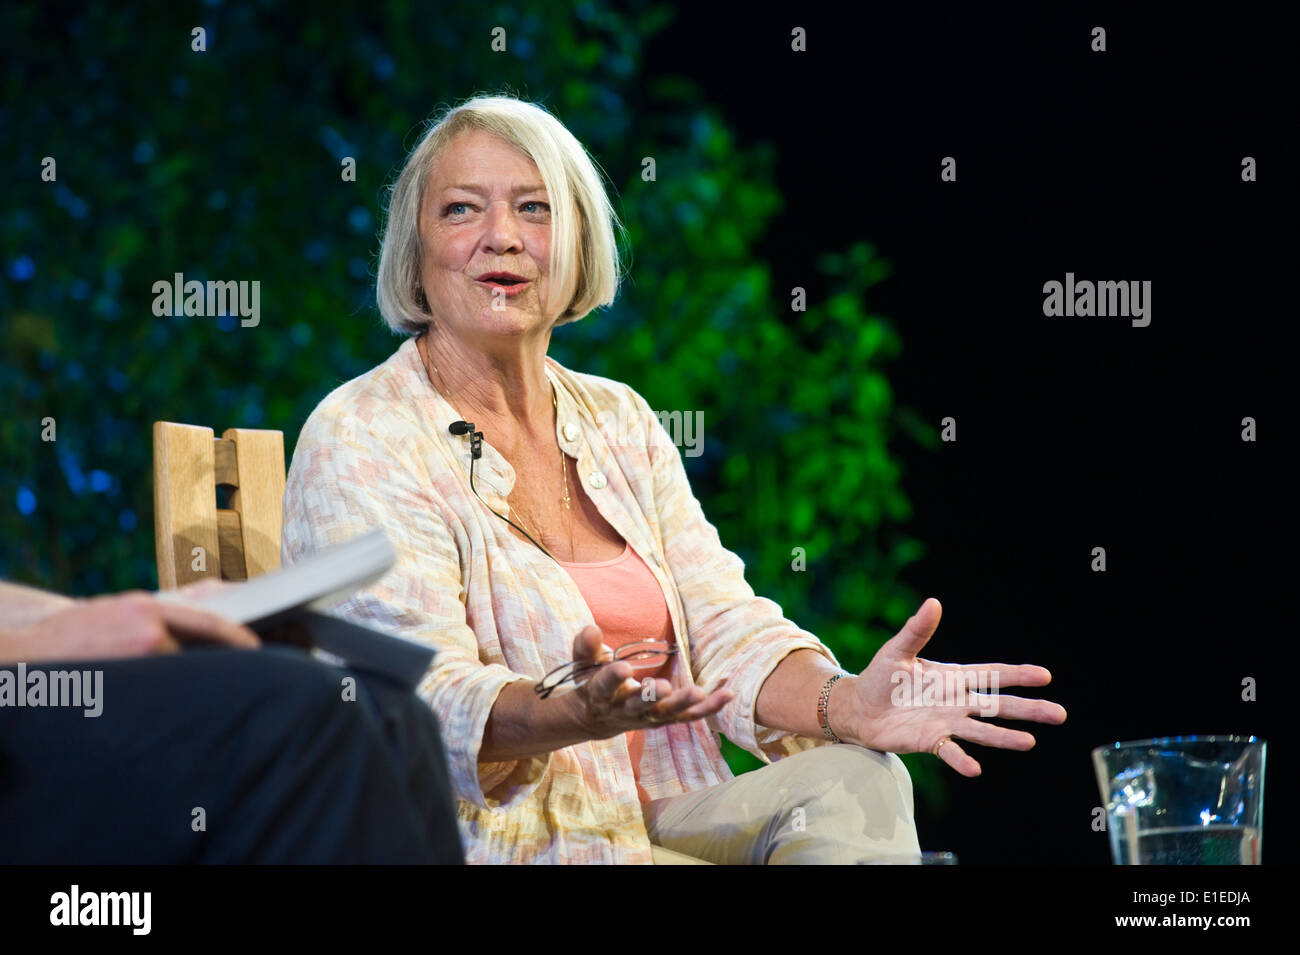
(507, 283)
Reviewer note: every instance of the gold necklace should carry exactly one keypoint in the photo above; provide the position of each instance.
(564, 465)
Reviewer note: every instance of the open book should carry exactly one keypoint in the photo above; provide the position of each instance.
(287, 605)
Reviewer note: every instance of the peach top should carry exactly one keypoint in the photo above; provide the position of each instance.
(629, 607)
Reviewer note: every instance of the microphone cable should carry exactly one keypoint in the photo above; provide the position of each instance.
(476, 452)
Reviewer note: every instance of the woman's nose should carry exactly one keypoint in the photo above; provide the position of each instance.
(501, 228)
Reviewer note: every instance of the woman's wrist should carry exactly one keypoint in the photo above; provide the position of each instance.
(577, 716)
(841, 709)
(522, 726)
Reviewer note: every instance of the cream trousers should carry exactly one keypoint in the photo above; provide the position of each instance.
(838, 804)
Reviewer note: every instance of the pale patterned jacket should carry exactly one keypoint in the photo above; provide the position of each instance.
(376, 452)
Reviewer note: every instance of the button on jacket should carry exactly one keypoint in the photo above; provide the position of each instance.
(376, 452)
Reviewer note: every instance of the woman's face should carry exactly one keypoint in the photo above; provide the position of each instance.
(486, 211)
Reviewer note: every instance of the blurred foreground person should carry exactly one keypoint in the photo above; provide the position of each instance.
(136, 731)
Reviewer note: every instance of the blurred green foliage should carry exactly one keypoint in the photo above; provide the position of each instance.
(225, 164)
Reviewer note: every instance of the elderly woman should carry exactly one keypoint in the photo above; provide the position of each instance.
(593, 634)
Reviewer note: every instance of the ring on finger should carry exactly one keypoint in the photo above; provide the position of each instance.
(938, 746)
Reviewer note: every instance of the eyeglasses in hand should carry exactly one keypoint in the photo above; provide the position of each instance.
(647, 655)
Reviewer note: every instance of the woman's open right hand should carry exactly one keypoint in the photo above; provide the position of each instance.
(613, 701)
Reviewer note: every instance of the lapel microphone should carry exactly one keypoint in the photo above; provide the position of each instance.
(475, 437)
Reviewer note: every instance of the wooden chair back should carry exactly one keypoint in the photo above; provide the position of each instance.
(195, 538)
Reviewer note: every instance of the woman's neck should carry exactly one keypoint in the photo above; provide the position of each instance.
(506, 393)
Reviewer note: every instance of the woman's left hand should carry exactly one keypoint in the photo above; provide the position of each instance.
(903, 704)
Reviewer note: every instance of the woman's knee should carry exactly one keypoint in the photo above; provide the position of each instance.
(846, 767)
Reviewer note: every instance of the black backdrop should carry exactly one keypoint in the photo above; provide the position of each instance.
(1072, 433)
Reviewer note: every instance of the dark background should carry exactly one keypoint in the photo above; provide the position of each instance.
(1073, 433)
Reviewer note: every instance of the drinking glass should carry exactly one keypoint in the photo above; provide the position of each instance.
(1184, 800)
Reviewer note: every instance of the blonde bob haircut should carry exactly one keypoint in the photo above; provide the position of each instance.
(586, 242)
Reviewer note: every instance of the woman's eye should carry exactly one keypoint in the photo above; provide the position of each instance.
(532, 207)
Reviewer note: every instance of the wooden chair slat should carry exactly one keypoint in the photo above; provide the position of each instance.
(185, 505)
(259, 495)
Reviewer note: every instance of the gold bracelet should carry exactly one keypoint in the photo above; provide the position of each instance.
(823, 702)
